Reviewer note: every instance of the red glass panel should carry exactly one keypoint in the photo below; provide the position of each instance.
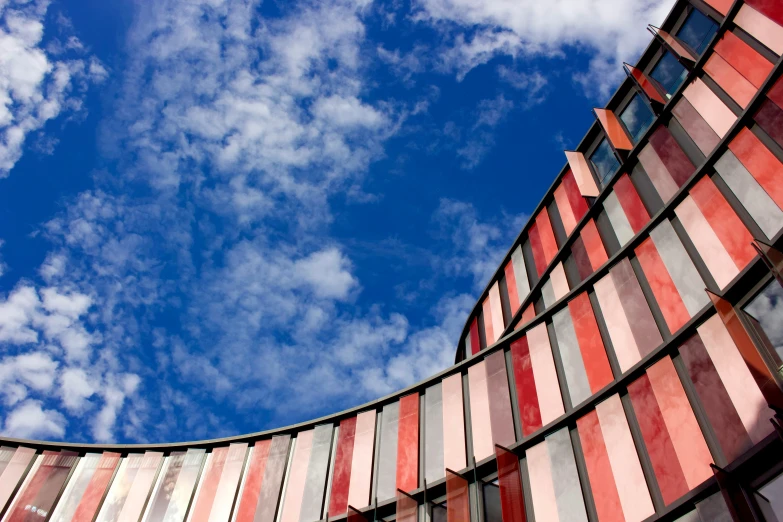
(674, 44)
(722, 6)
(593, 245)
(656, 437)
(760, 162)
(341, 479)
(253, 481)
(744, 59)
(96, 489)
(548, 243)
(475, 340)
(512, 500)
(511, 287)
(730, 230)
(730, 80)
(581, 260)
(599, 373)
(770, 118)
(647, 86)
(599, 469)
(631, 202)
(528, 315)
(527, 396)
(614, 131)
(407, 508)
(538, 249)
(666, 295)
(672, 156)
(772, 9)
(578, 203)
(747, 349)
(408, 443)
(775, 93)
(584, 178)
(457, 498)
(725, 420)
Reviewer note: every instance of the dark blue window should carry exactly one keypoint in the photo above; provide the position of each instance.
(697, 31)
(669, 73)
(637, 117)
(604, 161)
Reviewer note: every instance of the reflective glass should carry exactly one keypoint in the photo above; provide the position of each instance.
(766, 312)
(604, 161)
(439, 513)
(669, 73)
(492, 510)
(697, 31)
(637, 117)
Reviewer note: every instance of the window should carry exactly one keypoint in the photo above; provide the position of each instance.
(439, 512)
(637, 117)
(766, 315)
(669, 73)
(492, 511)
(697, 31)
(604, 162)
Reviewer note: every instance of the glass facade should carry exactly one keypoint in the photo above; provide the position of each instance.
(634, 394)
(669, 73)
(637, 117)
(697, 31)
(604, 161)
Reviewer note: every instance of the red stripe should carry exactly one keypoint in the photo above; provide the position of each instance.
(672, 156)
(775, 93)
(475, 340)
(599, 373)
(511, 287)
(744, 59)
(731, 433)
(408, 443)
(593, 245)
(772, 9)
(631, 202)
(770, 118)
(255, 476)
(732, 234)
(99, 482)
(578, 203)
(599, 469)
(730, 80)
(546, 234)
(527, 396)
(537, 248)
(760, 162)
(669, 301)
(341, 478)
(656, 437)
(512, 500)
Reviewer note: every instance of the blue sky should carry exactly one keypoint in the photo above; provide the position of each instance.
(222, 216)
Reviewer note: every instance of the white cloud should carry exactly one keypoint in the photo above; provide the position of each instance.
(30, 420)
(35, 85)
(612, 30)
(476, 246)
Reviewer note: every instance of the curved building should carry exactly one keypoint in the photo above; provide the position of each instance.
(623, 364)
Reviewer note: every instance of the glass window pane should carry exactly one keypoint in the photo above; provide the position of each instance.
(604, 161)
(492, 511)
(439, 513)
(669, 73)
(697, 31)
(766, 312)
(637, 117)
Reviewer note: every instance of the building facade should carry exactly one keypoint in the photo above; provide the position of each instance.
(623, 364)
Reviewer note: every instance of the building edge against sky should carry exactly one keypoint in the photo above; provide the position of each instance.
(623, 364)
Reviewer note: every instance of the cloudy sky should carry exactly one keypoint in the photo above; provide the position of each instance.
(221, 216)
